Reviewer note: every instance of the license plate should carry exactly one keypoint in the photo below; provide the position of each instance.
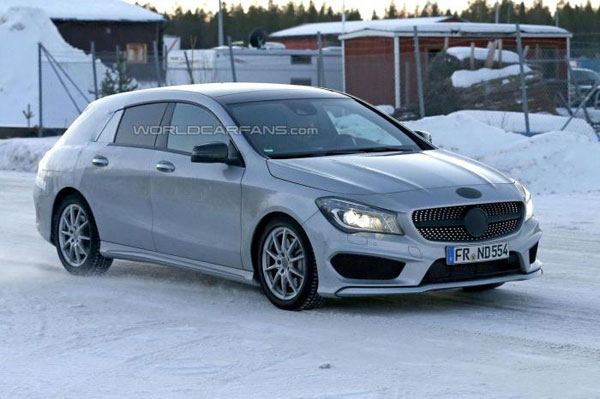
(476, 253)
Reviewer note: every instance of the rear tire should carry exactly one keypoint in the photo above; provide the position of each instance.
(76, 238)
(479, 288)
(286, 266)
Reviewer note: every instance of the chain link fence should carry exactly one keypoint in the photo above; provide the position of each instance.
(496, 76)
(69, 80)
(449, 75)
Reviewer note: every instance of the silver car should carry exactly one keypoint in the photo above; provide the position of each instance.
(307, 192)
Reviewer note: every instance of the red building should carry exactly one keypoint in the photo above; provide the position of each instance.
(379, 56)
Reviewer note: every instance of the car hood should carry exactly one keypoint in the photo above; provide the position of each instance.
(385, 173)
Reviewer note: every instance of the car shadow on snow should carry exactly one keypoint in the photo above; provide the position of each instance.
(505, 298)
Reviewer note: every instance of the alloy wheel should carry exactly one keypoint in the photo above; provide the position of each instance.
(283, 263)
(74, 235)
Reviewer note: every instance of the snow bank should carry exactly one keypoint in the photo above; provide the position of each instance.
(466, 78)
(538, 123)
(464, 134)
(552, 162)
(24, 154)
(21, 29)
(464, 53)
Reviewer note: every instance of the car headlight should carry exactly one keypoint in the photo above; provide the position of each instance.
(352, 217)
(527, 199)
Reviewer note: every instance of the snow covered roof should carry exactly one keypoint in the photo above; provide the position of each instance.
(86, 10)
(335, 28)
(459, 29)
(432, 26)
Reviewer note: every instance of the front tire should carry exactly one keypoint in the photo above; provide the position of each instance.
(286, 266)
(76, 238)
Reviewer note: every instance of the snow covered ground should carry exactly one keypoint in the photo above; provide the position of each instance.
(143, 331)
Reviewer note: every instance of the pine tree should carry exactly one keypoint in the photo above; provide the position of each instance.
(391, 11)
(117, 80)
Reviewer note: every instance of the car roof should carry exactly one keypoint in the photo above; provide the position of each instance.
(229, 93)
(224, 93)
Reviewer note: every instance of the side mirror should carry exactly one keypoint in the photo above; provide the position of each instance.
(425, 135)
(210, 153)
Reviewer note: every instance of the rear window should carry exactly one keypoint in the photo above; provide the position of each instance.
(137, 124)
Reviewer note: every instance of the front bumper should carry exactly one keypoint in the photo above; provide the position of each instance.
(417, 253)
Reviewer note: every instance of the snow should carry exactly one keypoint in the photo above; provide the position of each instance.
(464, 53)
(143, 331)
(386, 108)
(466, 78)
(549, 162)
(539, 123)
(425, 25)
(24, 154)
(21, 29)
(332, 28)
(87, 10)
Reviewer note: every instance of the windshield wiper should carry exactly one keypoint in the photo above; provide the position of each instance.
(316, 153)
(388, 148)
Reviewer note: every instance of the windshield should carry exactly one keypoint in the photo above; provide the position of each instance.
(317, 127)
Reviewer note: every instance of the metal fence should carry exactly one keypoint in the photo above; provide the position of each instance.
(502, 76)
(69, 80)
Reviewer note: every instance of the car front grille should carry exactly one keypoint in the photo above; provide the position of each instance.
(440, 272)
(447, 224)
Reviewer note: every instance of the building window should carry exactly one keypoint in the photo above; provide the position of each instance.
(301, 59)
(136, 53)
(301, 81)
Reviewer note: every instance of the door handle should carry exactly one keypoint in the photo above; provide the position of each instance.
(100, 161)
(164, 166)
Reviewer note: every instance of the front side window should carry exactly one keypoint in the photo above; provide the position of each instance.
(316, 127)
(191, 126)
(139, 124)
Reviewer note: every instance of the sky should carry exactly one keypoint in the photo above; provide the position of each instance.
(365, 7)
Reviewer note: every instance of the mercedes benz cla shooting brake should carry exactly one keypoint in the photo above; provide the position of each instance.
(307, 192)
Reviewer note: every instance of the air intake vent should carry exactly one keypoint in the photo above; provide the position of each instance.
(362, 267)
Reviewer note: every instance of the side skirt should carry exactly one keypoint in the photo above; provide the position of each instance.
(116, 251)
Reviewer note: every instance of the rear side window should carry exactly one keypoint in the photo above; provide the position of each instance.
(139, 124)
(108, 133)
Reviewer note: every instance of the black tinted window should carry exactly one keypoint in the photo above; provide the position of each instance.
(139, 124)
(191, 126)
